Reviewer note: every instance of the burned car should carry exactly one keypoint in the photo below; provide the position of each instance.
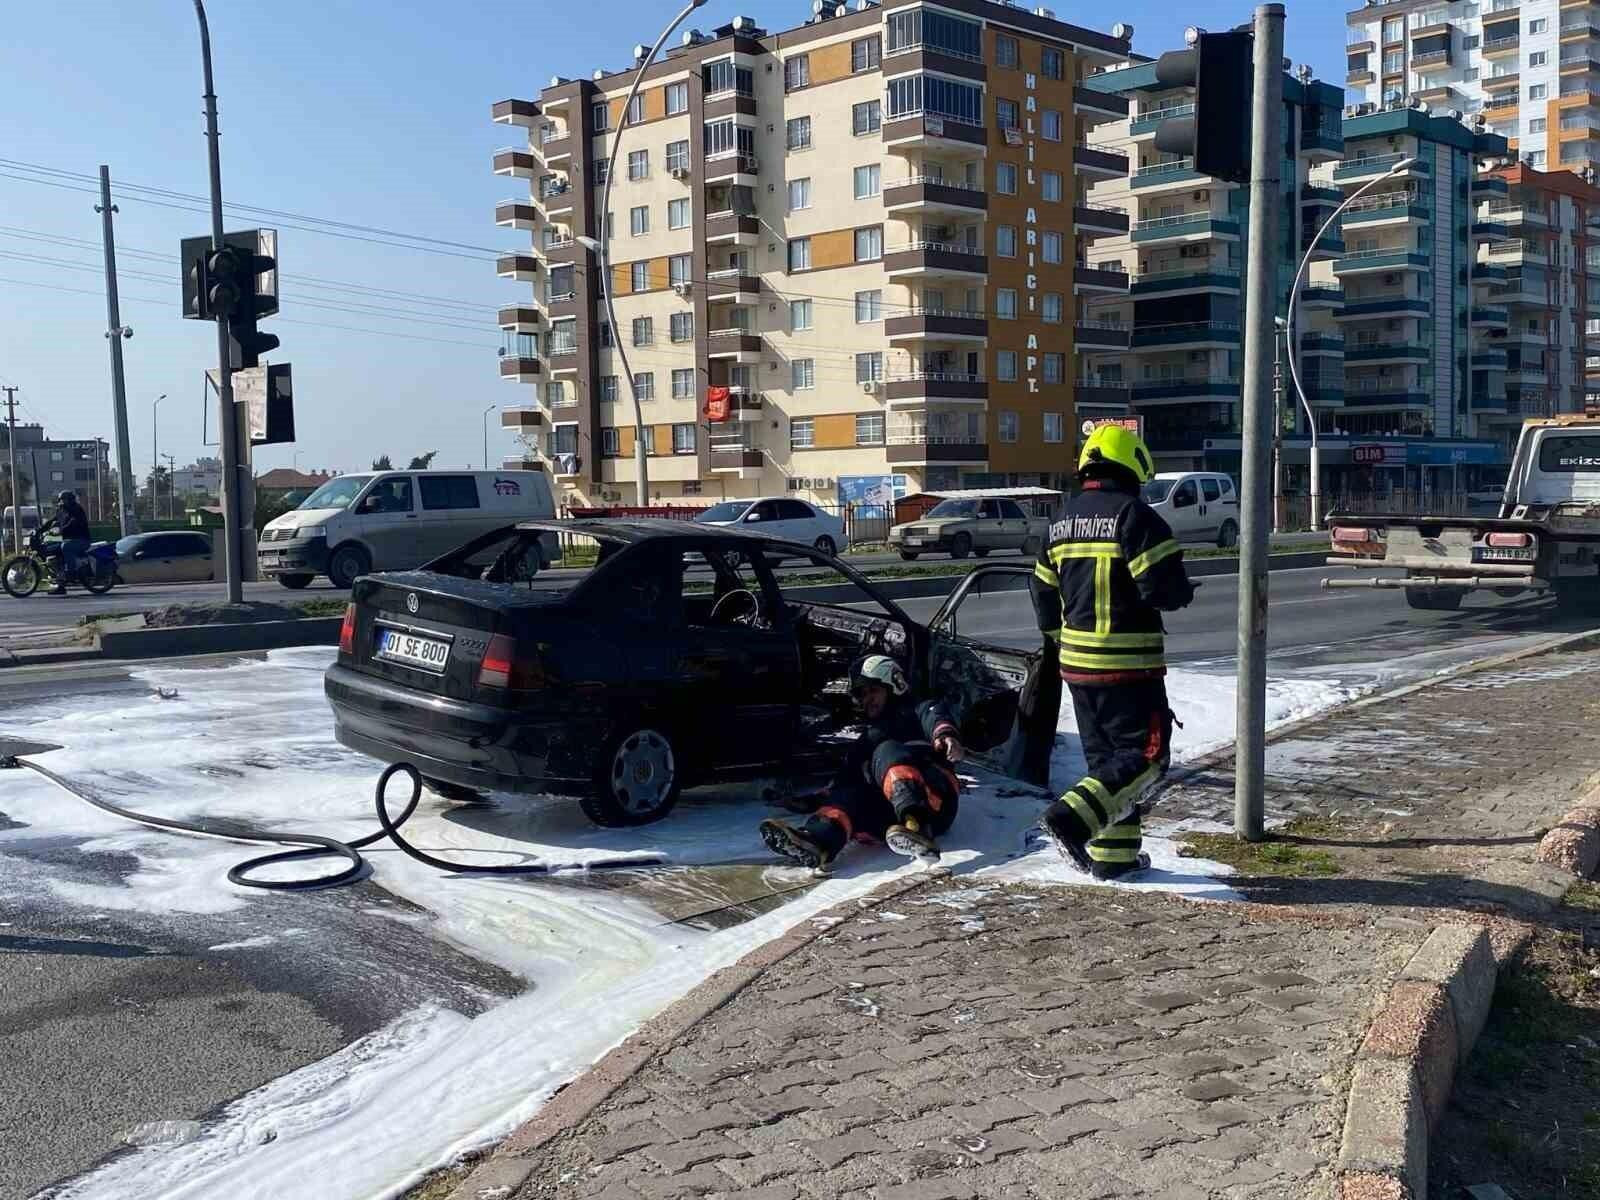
(680, 659)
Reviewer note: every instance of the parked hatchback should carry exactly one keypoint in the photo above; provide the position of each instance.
(177, 557)
(1201, 506)
(780, 517)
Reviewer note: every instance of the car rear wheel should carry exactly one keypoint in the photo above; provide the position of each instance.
(1228, 535)
(961, 545)
(346, 563)
(295, 582)
(1030, 547)
(636, 779)
(826, 544)
(909, 555)
(981, 551)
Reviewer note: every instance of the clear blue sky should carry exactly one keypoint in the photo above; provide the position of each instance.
(368, 113)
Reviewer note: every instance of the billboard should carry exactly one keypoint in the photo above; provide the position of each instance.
(872, 489)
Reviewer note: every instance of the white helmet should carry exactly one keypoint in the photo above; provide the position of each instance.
(879, 669)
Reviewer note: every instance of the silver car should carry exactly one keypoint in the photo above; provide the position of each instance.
(176, 557)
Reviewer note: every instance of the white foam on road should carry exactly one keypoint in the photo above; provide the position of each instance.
(253, 741)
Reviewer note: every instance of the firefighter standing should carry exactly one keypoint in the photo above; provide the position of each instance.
(1107, 571)
(896, 784)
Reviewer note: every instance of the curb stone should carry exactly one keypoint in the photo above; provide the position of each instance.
(511, 1164)
(1574, 844)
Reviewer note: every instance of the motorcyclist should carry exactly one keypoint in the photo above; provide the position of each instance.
(896, 784)
(72, 523)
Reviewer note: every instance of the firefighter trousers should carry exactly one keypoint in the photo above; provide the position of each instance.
(1126, 731)
(906, 780)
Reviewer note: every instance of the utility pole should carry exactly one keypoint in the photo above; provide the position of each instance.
(1278, 339)
(172, 487)
(1266, 151)
(99, 485)
(16, 481)
(115, 332)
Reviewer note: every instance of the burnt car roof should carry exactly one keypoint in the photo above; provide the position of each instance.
(643, 529)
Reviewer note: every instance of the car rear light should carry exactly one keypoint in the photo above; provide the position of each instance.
(347, 631)
(499, 662)
(1351, 533)
(1509, 539)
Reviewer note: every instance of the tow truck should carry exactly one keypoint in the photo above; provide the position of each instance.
(1545, 539)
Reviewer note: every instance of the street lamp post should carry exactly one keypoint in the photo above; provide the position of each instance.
(600, 248)
(486, 413)
(1403, 165)
(155, 454)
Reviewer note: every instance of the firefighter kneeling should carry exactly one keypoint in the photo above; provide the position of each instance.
(1108, 570)
(896, 785)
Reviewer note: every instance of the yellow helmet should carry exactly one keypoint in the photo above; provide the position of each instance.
(1115, 444)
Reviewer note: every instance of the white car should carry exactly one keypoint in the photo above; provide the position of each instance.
(780, 517)
(1200, 506)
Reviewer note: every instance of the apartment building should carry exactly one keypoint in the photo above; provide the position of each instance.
(1532, 69)
(1172, 346)
(49, 466)
(869, 229)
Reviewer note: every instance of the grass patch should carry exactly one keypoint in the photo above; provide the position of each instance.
(323, 606)
(1583, 895)
(91, 618)
(1280, 854)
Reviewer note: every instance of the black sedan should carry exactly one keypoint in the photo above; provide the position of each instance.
(681, 659)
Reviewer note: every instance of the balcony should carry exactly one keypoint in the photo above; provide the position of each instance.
(1488, 185)
(1321, 297)
(921, 324)
(1431, 60)
(934, 258)
(1489, 316)
(563, 358)
(1194, 335)
(1316, 196)
(1113, 281)
(1099, 164)
(521, 418)
(519, 368)
(736, 344)
(515, 112)
(1101, 393)
(1587, 60)
(1173, 283)
(1329, 247)
(1386, 398)
(1095, 222)
(1501, 81)
(735, 451)
(1096, 108)
(561, 251)
(558, 200)
(1360, 77)
(732, 167)
(731, 228)
(1145, 123)
(522, 163)
(1377, 351)
(521, 318)
(919, 131)
(517, 266)
(1321, 344)
(1511, 212)
(920, 57)
(1163, 176)
(1494, 47)
(1187, 227)
(557, 150)
(1100, 335)
(935, 385)
(922, 193)
(910, 448)
(1322, 143)
(1386, 210)
(1386, 306)
(521, 462)
(732, 285)
(1362, 262)
(1185, 388)
(744, 404)
(517, 214)
(1498, 108)
(1489, 360)
(1359, 170)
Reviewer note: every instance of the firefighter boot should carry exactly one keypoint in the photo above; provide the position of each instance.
(814, 844)
(910, 835)
(1065, 830)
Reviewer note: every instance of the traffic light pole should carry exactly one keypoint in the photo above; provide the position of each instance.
(1261, 307)
(227, 424)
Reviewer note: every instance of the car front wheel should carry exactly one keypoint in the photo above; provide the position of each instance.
(294, 582)
(346, 564)
(961, 545)
(826, 544)
(636, 779)
(1228, 535)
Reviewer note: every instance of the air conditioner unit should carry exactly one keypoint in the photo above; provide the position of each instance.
(818, 485)
(1197, 356)
(795, 483)
(683, 289)
(1391, 279)
(870, 386)
(1202, 194)
(679, 172)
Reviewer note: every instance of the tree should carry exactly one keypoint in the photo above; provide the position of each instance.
(25, 484)
(421, 462)
(268, 506)
(382, 463)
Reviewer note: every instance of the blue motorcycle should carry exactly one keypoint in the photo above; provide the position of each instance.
(22, 574)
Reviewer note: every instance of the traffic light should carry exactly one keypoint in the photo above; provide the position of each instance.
(1217, 136)
(256, 274)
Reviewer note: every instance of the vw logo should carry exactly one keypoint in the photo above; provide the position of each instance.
(411, 602)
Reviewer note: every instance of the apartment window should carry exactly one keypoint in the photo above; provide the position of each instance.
(802, 433)
(555, 393)
(639, 220)
(1006, 53)
(799, 194)
(1006, 113)
(802, 374)
(913, 28)
(869, 429)
(606, 340)
(644, 331)
(799, 254)
(639, 276)
(1050, 186)
(1471, 41)
(869, 367)
(678, 214)
(677, 98)
(869, 181)
(1538, 58)
(1008, 426)
(1005, 241)
(1052, 63)
(683, 438)
(1536, 158)
(1470, 75)
(680, 269)
(1005, 178)
(1538, 25)
(796, 72)
(869, 244)
(722, 76)
(638, 164)
(1537, 125)
(866, 117)
(1005, 366)
(610, 442)
(1005, 303)
(678, 155)
(602, 167)
(865, 53)
(600, 117)
(682, 327)
(636, 109)
(799, 316)
(799, 133)
(1050, 247)
(692, 487)
(1393, 30)
(869, 307)
(1054, 426)
(1050, 308)
(1050, 125)
(1538, 91)
(1394, 62)
(683, 383)
(1054, 367)
(936, 97)
(644, 385)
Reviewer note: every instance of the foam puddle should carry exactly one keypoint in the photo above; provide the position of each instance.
(254, 741)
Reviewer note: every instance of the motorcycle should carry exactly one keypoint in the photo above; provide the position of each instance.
(22, 574)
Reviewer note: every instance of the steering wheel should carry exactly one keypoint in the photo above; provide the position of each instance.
(750, 616)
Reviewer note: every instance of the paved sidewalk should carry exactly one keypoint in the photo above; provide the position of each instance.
(977, 1041)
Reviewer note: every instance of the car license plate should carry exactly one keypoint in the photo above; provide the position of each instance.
(268, 560)
(1506, 554)
(914, 541)
(426, 654)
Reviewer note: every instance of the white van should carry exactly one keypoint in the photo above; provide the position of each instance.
(395, 520)
(1201, 506)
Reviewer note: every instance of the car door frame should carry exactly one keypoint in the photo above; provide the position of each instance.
(1214, 511)
(144, 566)
(382, 532)
(1187, 526)
(1016, 527)
(198, 566)
(944, 628)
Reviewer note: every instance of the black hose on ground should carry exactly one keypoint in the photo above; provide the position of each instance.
(316, 846)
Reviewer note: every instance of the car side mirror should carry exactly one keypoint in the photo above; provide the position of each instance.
(1183, 501)
(753, 517)
(370, 504)
(138, 553)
